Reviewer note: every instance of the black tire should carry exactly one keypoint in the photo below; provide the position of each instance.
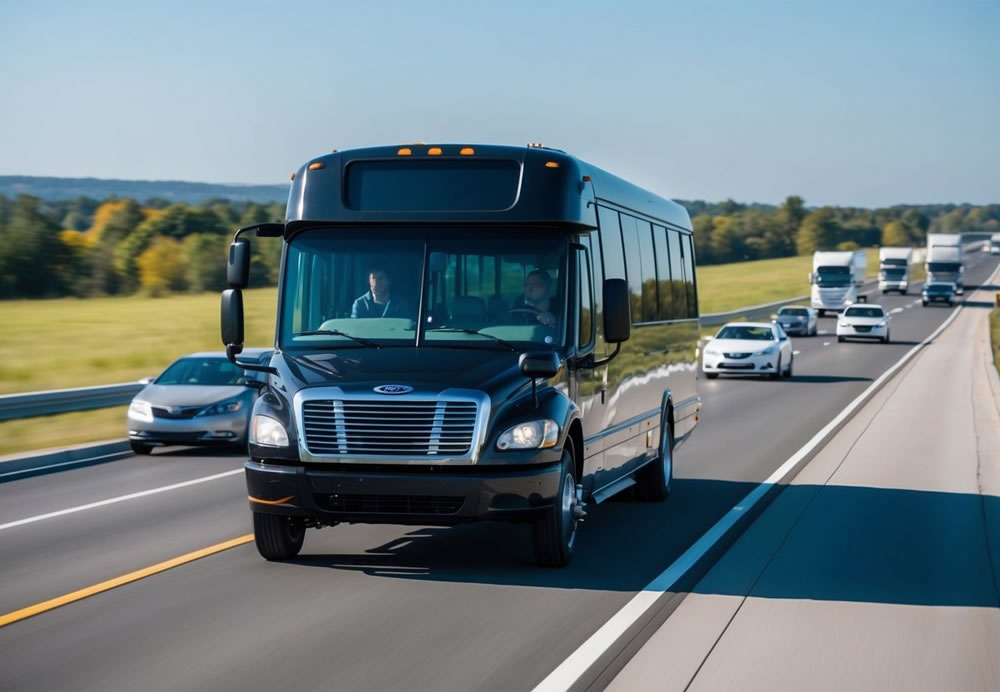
(886, 339)
(791, 362)
(553, 533)
(840, 339)
(777, 371)
(652, 482)
(924, 302)
(711, 375)
(140, 448)
(278, 537)
(822, 313)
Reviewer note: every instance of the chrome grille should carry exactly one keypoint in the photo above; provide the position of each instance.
(736, 356)
(404, 428)
(177, 411)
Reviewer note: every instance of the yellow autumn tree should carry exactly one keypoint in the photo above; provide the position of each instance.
(894, 235)
(161, 267)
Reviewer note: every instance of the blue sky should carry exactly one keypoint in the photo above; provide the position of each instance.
(848, 103)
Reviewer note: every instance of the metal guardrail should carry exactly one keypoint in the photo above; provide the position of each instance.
(66, 400)
(753, 312)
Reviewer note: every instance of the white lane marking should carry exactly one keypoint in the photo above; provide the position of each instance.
(570, 670)
(827, 343)
(824, 331)
(795, 353)
(895, 311)
(913, 304)
(122, 498)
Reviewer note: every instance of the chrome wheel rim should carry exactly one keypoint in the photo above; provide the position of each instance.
(567, 501)
(667, 459)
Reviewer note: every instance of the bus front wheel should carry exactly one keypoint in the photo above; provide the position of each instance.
(554, 532)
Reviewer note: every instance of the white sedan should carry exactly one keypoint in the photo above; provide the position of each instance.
(864, 322)
(749, 348)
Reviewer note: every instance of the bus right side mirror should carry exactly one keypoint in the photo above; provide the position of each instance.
(617, 311)
(809, 279)
(238, 268)
(232, 319)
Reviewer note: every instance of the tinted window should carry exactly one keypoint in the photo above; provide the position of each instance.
(864, 312)
(633, 266)
(689, 278)
(598, 273)
(677, 290)
(647, 255)
(664, 296)
(748, 333)
(203, 371)
(586, 304)
(611, 240)
(424, 185)
(798, 312)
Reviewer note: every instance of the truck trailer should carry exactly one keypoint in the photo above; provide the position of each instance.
(836, 278)
(894, 269)
(945, 261)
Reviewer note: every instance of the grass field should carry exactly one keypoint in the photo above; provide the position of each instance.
(55, 344)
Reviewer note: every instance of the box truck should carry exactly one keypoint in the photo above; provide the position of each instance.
(836, 278)
(894, 269)
(944, 259)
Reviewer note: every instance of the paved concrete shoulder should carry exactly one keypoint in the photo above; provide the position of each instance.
(877, 568)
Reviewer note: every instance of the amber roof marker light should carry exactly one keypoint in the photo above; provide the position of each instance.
(316, 165)
(552, 164)
(405, 151)
(467, 151)
(434, 151)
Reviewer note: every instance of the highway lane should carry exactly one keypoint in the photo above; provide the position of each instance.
(382, 607)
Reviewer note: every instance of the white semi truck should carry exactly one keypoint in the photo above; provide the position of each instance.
(836, 278)
(894, 269)
(944, 259)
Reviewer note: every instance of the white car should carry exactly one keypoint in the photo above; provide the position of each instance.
(749, 348)
(864, 321)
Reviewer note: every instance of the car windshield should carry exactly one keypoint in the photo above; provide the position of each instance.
(939, 288)
(833, 276)
(746, 332)
(943, 267)
(203, 371)
(470, 288)
(894, 272)
(864, 312)
(793, 312)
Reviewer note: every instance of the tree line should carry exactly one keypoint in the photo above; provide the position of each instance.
(119, 246)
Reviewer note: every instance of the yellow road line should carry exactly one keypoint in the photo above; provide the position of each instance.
(119, 581)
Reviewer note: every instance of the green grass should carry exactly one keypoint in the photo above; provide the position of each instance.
(63, 430)
(55, 344)
(725, 287)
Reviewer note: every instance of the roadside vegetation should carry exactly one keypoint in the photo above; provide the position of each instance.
(995, 336)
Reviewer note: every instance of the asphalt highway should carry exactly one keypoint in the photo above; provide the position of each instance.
(379, 607)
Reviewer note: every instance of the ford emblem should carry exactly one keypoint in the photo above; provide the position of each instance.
(393, 389)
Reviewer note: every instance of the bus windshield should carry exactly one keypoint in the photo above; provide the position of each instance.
(459, 287)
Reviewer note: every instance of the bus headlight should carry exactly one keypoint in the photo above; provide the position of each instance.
(536, 434)
(267, 432)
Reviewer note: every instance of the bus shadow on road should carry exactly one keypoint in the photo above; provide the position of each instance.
(852, 544)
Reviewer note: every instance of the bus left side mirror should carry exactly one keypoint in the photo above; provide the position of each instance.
(617, 311)
(238, 268)
(232, 318)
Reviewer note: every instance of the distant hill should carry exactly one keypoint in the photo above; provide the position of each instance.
(171, 190)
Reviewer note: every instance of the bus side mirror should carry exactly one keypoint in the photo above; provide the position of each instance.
(539, 364)
(617, 311)
(238, 268)
(232, 318)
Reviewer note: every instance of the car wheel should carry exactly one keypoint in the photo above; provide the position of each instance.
(278, 537)
(711, 375)
(140, 448)
(886, 339)
(554, 532)
(791, 362)
(924, 302)
(777, 370)
(840, 339)
(653, 480)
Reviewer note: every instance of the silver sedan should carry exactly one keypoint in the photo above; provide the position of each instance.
(201, 399)
(797, 319)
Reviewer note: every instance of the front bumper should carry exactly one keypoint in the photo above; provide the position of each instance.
(752, 365)
(893, 285)
(224, 429)
(939, 299)
(401, 496)
(794, 328)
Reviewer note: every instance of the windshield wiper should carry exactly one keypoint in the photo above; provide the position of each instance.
(337, 332)
(465, 330)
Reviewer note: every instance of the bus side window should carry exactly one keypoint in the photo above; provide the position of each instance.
(678, 290)
(611, 240)
(664, 295)
(689, 276)
(648, 258)
(585, 292)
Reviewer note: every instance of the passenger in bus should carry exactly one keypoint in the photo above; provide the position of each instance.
(379, 301)
(534, 306)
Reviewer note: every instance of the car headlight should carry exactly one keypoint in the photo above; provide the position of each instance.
(712, 352)
(845, 324)
(768, 351)
(228, 406)
(267, 432)
(141, 410)
(536, 434)
(883, 323)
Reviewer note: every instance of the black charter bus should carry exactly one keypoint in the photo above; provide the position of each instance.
(467, 332)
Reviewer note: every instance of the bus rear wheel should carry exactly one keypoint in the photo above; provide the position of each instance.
(278, 537)
(653, 480)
